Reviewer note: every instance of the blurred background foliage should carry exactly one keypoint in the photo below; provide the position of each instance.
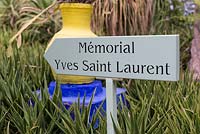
(154, 106)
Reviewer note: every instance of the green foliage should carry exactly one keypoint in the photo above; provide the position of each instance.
(17, 14)
(48, 22)
(161, 107)
(155, 107)
(9, 12)
(24, 111)
(167, 21)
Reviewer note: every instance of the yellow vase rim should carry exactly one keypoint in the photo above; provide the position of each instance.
(75, 5)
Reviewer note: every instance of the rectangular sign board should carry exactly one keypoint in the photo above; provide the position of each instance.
(154, 57)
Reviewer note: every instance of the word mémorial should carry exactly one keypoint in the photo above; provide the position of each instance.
(89, 47)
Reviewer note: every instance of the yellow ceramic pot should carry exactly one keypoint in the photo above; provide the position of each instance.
(76, 19)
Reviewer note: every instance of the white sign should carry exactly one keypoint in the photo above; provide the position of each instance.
(134, 57)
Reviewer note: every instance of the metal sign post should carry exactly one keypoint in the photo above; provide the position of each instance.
(111, 105)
